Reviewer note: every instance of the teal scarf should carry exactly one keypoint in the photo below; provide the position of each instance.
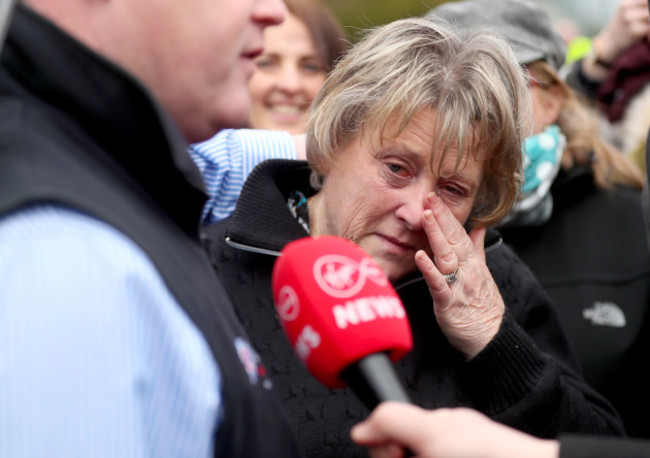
(542, 154)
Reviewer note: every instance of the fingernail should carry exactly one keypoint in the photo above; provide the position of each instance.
(428, 216)
(359, 431)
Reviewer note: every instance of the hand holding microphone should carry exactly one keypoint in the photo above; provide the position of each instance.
(342, 317)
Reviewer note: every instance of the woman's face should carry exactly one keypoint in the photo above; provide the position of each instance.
(540, 118)
(288, 76)
(374, 193)
(546, 102)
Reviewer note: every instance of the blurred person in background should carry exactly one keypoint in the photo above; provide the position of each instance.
(298, 54)
(116, 337)
(615, 77)
(579, 223)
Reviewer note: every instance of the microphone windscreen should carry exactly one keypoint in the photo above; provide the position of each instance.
(336, 306)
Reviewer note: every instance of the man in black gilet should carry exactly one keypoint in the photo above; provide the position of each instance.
(116, 338)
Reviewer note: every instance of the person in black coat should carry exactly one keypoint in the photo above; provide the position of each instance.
(381, 173)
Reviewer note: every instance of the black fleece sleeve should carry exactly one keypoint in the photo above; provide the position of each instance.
(572, 446)
(528, 374)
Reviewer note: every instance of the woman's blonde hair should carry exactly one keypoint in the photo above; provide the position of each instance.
(585, 146)
(473, 82)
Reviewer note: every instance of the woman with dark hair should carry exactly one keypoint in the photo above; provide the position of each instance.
(298, 55)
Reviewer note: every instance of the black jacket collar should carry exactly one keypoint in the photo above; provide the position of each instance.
(261, 218)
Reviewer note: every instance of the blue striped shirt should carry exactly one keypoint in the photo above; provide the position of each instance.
(228, 158)
(96, 356)
(97, 359)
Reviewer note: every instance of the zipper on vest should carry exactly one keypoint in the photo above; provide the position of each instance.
(252, 249)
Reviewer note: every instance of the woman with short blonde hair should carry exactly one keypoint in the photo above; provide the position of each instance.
(415, 145)
(388, 77)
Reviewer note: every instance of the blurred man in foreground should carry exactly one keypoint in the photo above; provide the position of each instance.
(116, 339)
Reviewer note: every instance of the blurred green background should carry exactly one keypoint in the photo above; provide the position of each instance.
(585, 16)
(356, 14)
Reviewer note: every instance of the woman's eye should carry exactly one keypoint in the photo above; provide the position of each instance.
(263, 63)
(312, 67)
(397, 170)
(454, 190)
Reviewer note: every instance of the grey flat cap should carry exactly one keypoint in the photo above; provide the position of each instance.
(526, 25)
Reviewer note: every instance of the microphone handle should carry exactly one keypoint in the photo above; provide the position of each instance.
(373, 380)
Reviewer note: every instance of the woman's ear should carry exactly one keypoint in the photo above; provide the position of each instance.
(552, 101)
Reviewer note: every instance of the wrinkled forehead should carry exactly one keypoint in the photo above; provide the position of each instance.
(446, 136)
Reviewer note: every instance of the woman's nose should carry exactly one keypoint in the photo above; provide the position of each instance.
(411, 209)
(289, 80)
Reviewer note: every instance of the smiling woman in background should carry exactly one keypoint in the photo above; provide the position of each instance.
(297, 56)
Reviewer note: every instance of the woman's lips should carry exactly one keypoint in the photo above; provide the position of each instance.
(396, 244)
(286, 113)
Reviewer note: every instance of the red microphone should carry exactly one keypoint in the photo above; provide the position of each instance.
(342, 317)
